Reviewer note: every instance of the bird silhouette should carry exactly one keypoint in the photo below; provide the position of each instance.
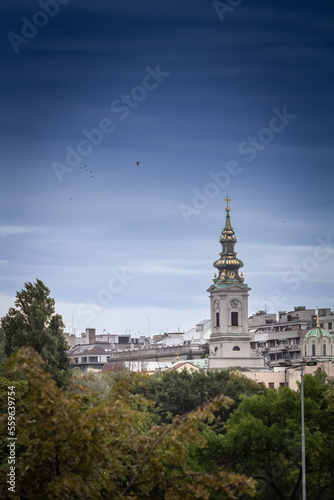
(137, 163)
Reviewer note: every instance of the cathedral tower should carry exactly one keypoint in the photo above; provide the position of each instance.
(230, 341)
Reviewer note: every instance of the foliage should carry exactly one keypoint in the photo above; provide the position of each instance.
(18, 390)
(92, 386)
(263, 439)
(97, 387)
(3, 356)
(69, 451)
(177, 393)
(34, 324)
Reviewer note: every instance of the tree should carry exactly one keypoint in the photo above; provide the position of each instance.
(3, 356)
(177, 393)
(69, 451)
(33, 323)
(263, 440)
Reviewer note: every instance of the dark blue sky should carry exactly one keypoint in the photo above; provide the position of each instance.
(238, 103)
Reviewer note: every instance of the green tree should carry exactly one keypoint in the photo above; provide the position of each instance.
(3, 356)
(263, 440)
(68, 451)
(177, 393)
(33, 323)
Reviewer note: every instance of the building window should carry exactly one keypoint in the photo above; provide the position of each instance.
(93, 359)
(84, 359)
(271, 385)
(330, 326)
(234, 319)
(321, 325)
(313, 349)
(123, 340)
(236, 348)
(217, 319)
(281, 384)
(324, 349)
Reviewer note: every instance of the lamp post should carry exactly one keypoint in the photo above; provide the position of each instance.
(287, 365)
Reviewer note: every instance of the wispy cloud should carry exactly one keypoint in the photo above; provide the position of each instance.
(11, 230)
(164, 268)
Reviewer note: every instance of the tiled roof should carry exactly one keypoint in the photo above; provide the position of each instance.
(115, 366)
(85, 350)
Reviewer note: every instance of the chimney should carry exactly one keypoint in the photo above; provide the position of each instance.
(90, 333)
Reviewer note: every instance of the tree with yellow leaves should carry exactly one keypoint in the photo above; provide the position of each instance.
(67, 450)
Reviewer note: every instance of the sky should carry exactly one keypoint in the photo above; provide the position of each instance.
(212, 99)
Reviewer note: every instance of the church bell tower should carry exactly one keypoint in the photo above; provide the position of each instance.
(229, 341)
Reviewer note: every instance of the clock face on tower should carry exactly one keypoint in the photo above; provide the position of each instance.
(235, 303)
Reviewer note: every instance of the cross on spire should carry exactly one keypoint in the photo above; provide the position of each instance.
(227, 199)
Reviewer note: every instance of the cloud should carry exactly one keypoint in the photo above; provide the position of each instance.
(11, 230)
(132, 319)
(164, 268)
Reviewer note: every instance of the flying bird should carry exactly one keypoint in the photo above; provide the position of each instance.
(137, 163)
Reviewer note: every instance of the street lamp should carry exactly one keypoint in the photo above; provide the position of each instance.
(288, 364)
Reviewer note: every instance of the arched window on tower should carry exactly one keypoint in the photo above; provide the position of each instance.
(313, 349)
(217, 319)
(324, 349)
(236, 348)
